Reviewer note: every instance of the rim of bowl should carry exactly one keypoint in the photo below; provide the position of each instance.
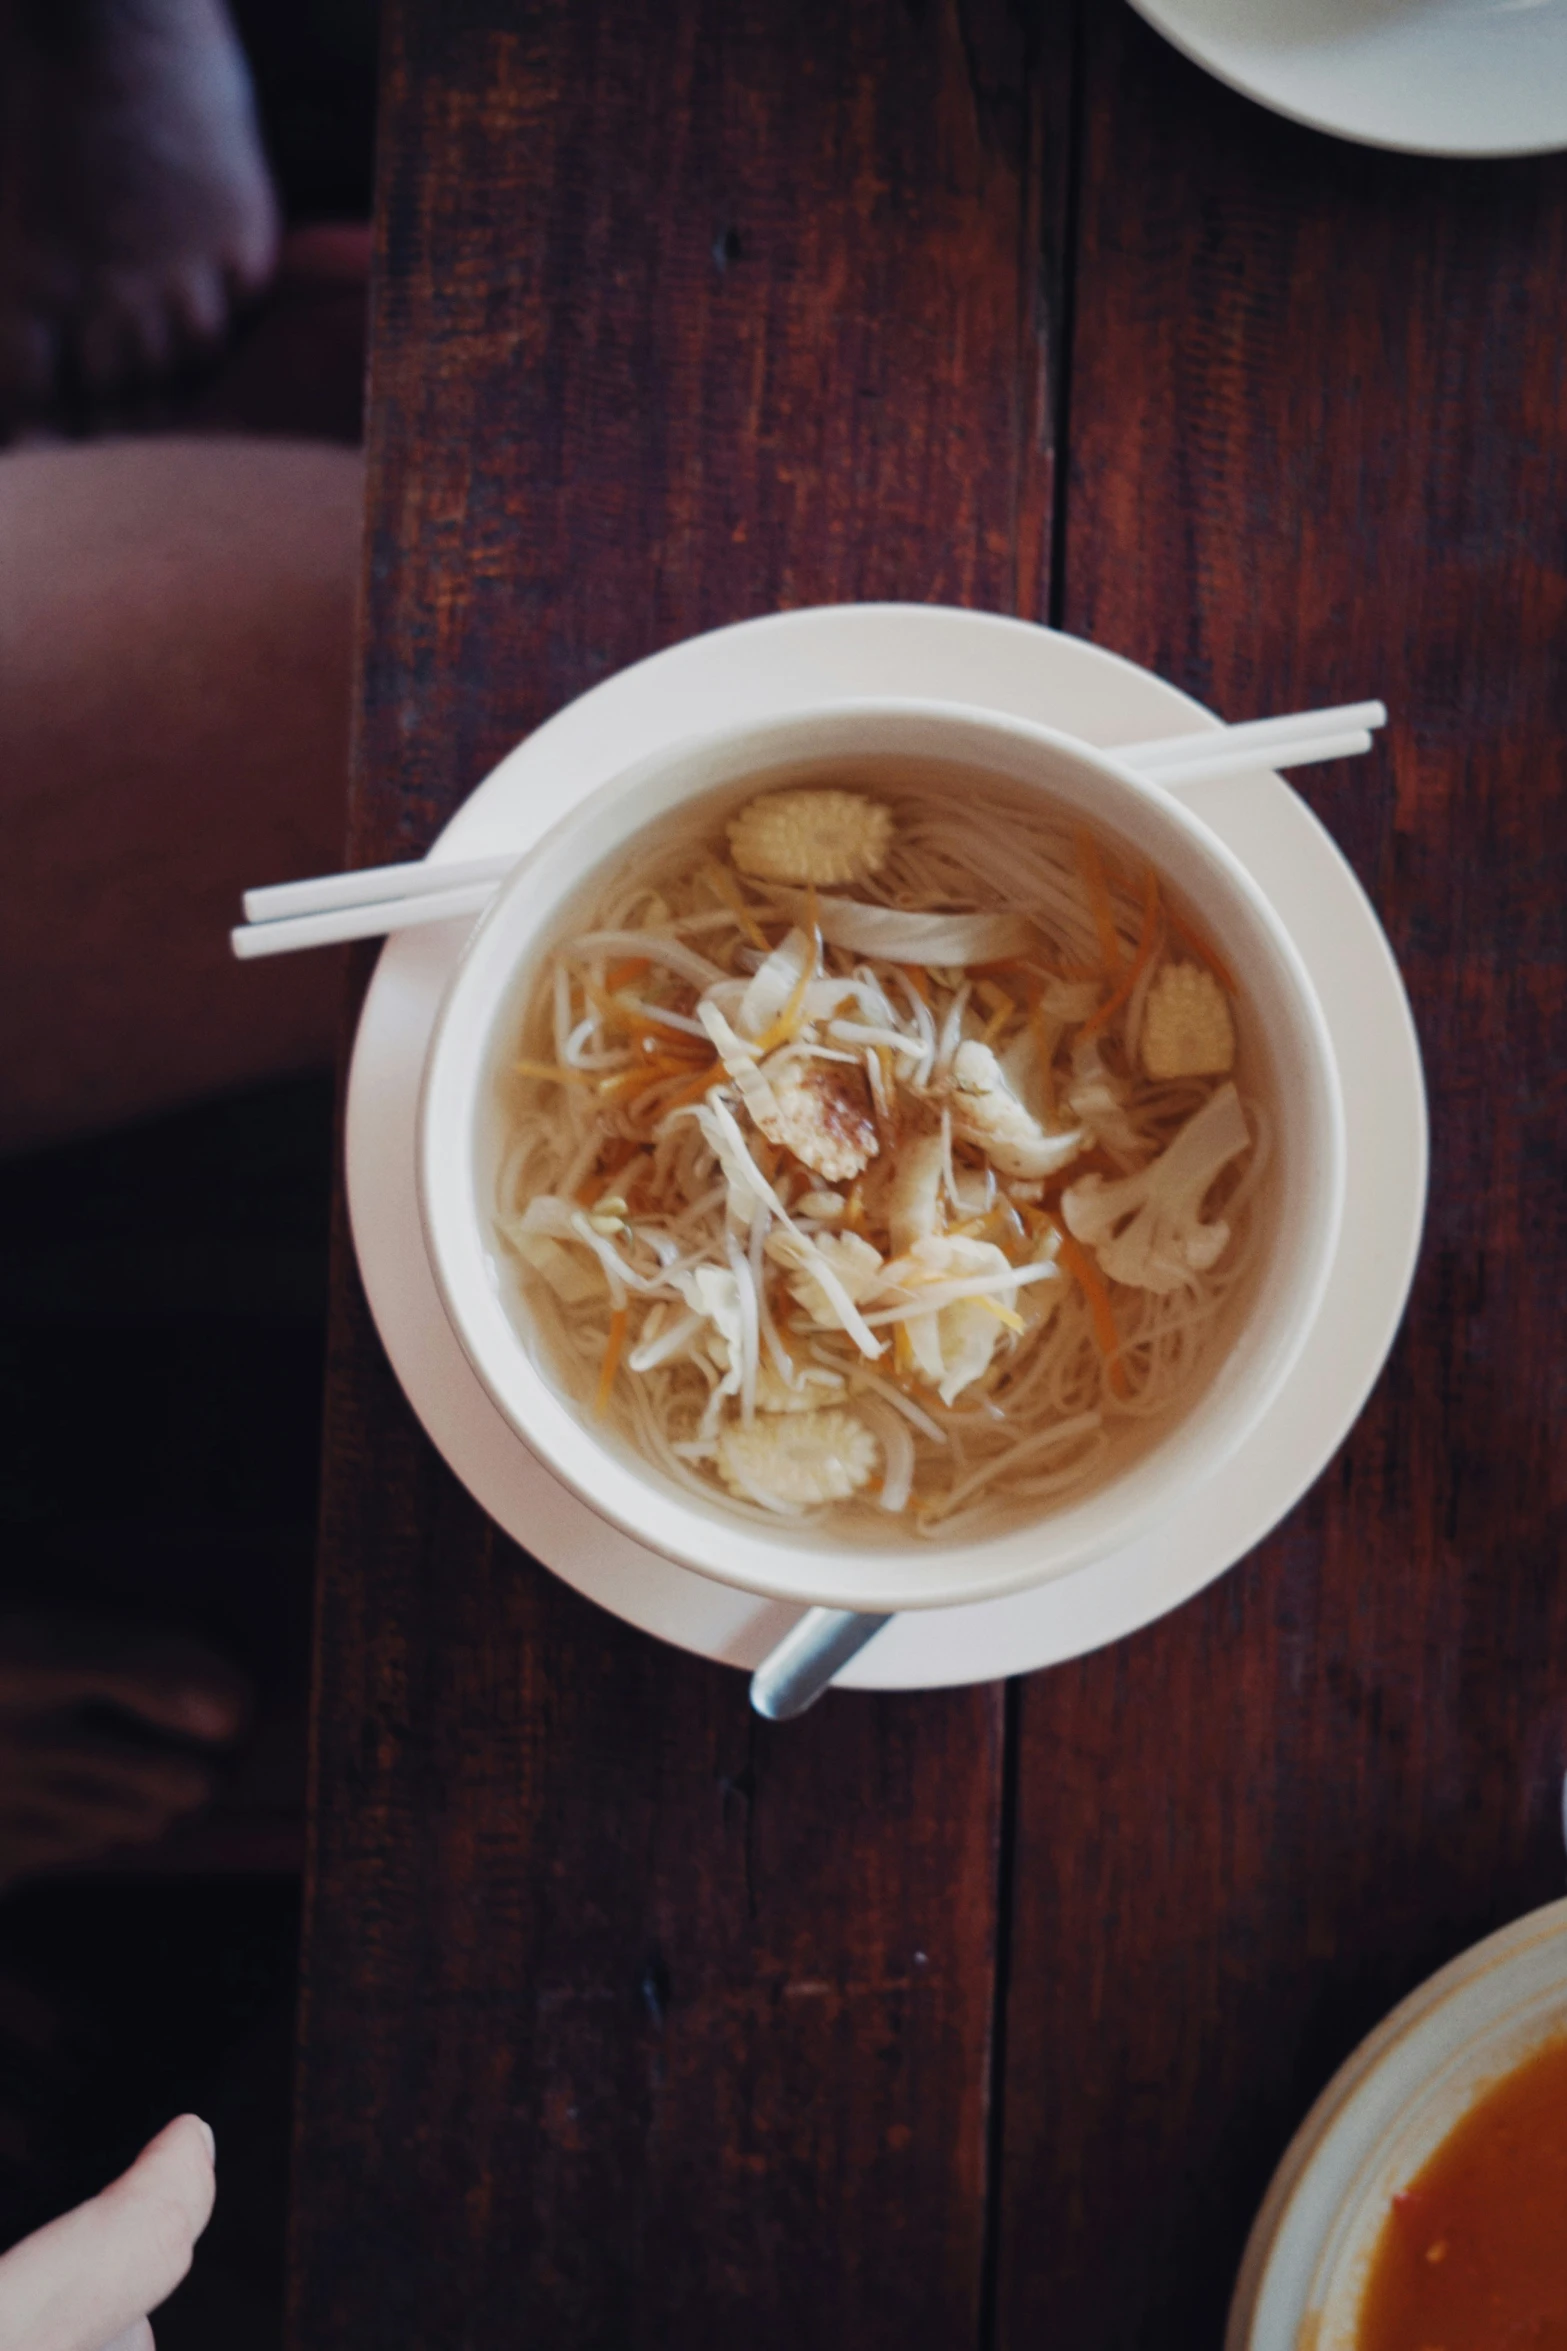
(871, 1577)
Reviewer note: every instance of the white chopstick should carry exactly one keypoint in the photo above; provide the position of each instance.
(335, 924)
(1175, 776)
(332, 908)
(1260, 734)
(373, 885)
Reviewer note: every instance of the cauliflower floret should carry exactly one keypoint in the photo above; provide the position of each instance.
(987, 1112)
(852, 1258)
(1099, 1100)
(823, 1115)
(818, 1110)
(952, 1347)
(1187, 1029)
(826, 837)
(818, 1386)
(1146, 1228)
(798, 1458)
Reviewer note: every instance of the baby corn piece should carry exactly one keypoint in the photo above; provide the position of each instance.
(826, 837)
(799, 1457)
(1187, 1029)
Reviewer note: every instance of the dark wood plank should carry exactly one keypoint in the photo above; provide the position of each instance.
(1319, 449)
(626, 2019)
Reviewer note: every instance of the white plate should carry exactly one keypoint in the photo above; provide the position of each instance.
(1428, 77)
(770, 666)
(1385, 2112)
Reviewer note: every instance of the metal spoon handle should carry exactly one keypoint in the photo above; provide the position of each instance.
(808, 1657)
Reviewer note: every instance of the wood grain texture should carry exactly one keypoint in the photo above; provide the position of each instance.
(628, 2019)
(1318, 449)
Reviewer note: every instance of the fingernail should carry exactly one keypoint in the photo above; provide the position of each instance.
(212, 2144)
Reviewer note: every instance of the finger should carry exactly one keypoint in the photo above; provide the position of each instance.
(103, 1770)
(92, 2275)
(179, 1685)
(57, 1828)
(149, 331)
(200, 302)
(53, 1832)
(136, 2338)
(172, 1683)
(32, 1842)
(104, 349)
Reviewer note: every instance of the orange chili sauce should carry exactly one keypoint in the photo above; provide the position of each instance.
(1473, 2254)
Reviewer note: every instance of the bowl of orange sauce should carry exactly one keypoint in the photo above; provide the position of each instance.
(1422, 2205)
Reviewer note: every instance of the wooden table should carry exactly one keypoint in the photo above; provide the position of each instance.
(977, 2017)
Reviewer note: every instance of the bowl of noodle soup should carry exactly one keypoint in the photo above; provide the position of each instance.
(884, 1157)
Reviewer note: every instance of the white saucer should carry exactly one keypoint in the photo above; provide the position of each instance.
(1427, 77)
(1385, 2112)
(770, 666)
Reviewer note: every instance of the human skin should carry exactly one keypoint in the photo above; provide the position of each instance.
(87, 2281)
(136, 209)
(176, 623)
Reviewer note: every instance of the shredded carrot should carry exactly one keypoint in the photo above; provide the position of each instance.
(627, 1082)
(694, 1088)
(1007, 1314)
(1202, 948)
(1000, 1015)
(779, 1032)
(889, 1088)
(617, 1153)
(1099, 898)
(902, 1348)
(783, 1028)
(725, 890)
(618, 973)
(1146, 939)
(548, 1069)
(1047, 1035)
(611, 1363)
(1091, 1282)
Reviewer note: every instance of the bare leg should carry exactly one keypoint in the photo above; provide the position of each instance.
(175, 640)
(135, 204)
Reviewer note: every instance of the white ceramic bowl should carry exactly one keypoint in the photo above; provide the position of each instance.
(1379, 2122)
(1287, 1058)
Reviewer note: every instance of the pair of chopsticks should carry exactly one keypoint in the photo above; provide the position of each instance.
(338, 906)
